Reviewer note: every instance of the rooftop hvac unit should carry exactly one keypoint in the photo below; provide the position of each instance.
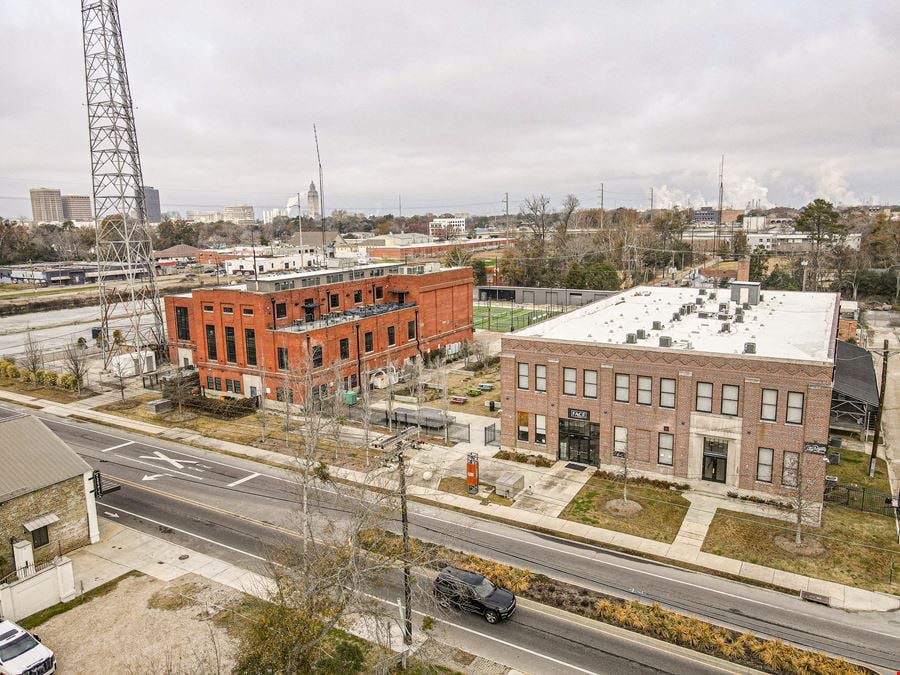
(746, 305)
(703, 315)
(750, 348)
(726, 328)
(630, 339)
(739, 318)
(723, 306)
(702, 291)
(676, 317)
(682, 310)
(691, 307)
(722, 317)
(657, 325)
(712, 296)
(665, 341)
(699, 300)
(641, 334)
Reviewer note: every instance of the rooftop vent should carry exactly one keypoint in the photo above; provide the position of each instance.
(739, 318)
(750, 348)
(657, 325)
(712, 296)
(665, 341)
(641, 334)
(723, 306)
(726, 328)
(630, 339)
(676, 317)
(682, 310)
(703, 315)
(700, 300)
(722, 316)
(746, 305)
(702, 291)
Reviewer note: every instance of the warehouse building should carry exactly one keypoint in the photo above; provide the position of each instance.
(253, 339)
(728, 388)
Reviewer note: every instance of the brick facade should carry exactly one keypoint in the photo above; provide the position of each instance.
(425, 311)
(67, 500)
(745, 432)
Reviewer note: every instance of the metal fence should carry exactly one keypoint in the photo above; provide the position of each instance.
(430, 422)
(861, 499)
(490, 435)
(506, 319)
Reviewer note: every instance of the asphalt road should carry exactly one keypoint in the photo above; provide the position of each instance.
(219, 485)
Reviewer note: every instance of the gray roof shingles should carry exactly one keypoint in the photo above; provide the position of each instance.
(854, 373)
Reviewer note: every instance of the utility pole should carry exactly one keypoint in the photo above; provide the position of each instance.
(651, 206)
(506, 199)
(321, 190)
(601, 206)
(884, 373)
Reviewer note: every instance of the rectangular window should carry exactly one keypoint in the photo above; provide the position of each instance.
(523, 426)
(279, 394)
(620, 441)
(379, 292)
(540, 429)
(218, 383)
(523, 376)
(211, 352)
(207, 308)
(570, 381)
(237, 386)
(666, 393)
(40, 537)
(345, 348)
(369, 342)
(730, 395)
(790, 469)
(623, 384)
(357, 297)
(645, 390)
(769, 408)
(250, 346)
(282, 358)
(228, 385)
(230, 345)
(411, 330)
(247, 311)
(317, 356)
(540, 378)
(764, 458)
(182, 326)
(281, 310)
(228, 310)
(794, 414)
(209, 382)
(704, 396)
(391, 336)
(590, 384)
(334, 300)
(666, 449)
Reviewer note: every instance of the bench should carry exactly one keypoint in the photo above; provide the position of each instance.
(458, 399)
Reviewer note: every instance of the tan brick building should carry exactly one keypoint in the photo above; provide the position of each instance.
(45, 492)
(730, 387)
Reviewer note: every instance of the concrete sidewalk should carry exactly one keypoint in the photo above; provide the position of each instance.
(686, 547)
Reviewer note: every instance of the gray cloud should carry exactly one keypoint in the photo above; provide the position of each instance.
(453, 104)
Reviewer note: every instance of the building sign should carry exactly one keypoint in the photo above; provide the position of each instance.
(576, 414)
(619, 453)
(815, 448)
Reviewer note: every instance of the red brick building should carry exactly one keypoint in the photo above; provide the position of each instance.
(734, 390)
(250, 339)
(435, 249)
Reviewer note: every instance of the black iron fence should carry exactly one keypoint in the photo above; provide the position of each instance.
(431, 422)
(861, 499)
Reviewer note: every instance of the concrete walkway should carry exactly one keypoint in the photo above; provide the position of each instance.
(686, 547)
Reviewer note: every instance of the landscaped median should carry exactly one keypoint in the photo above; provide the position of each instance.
(771, 656)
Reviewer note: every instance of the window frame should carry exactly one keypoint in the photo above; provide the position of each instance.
(789, 408)
(586, 386)
(698, 397)
(281, 310)
(649, 391)
(540, 429)
(763, 405)
(522, 370)
(44, 537)
(282, 358)
(760, 464)
(344, 347)
(411, 329)
(619, 443)
(736, 400)
(670, 449)
(230, 345)
(318, 355)
(566, 381)
(540, 376)
(619, 387)
(391, 336)
(369, 342)
(182, 323)
(662, 392)
(784, 469)
(250, 346)
(522, 431)
(212, 348)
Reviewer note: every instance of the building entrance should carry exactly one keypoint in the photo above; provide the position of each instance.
(579, 441)
(715, 460)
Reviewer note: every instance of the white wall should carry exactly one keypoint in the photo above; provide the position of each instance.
(39, 591)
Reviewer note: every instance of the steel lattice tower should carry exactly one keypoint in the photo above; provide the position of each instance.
(123, 240)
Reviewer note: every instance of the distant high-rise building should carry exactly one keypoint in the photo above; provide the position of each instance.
(312, 201)
(204, 216)
(151, 204)
(269, 215)
(46, 205)
(241, 214)
(77, 208)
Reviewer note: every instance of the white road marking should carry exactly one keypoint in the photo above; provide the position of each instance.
(154, 476)
(120, 445)
(181, 473)
(177, 463)
(243, 480)
(110, 515)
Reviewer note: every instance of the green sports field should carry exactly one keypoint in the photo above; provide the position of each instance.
(505, 319)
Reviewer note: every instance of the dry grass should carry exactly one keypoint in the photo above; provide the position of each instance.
(660, 517)
(854, 470)
(858, 547)
(458, 384)
(45, 393)
(458, 486)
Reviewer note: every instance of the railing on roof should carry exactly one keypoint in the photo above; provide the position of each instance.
(337, 318)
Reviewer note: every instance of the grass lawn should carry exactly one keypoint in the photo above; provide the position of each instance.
(458, 486)
(660, 518)
(504, 319)
(854, 470)
(46, 393)
(752, 538)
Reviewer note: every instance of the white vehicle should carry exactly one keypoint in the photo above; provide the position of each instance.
(22, 653)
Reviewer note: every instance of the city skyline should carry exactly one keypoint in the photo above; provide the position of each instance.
(792, 96)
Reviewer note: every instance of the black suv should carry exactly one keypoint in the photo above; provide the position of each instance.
(455, 587)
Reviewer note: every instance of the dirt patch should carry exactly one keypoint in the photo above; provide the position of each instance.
(809, 546)
(623, 509)
(146, 625)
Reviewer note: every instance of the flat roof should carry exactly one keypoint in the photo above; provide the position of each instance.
(784, 325)
(280, 276)
(437, 244)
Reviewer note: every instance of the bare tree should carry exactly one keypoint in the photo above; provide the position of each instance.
(566, 216)
(414, 370)
(33, 356)
(390, 393)
(535, 213)
(338, 413)
(803, 481)
(120, 371)
(75, 363)
(180, 386)
(365, 400)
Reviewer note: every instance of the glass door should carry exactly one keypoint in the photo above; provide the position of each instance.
(715, 460)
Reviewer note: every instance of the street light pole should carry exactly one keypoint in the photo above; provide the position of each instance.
(875, 439)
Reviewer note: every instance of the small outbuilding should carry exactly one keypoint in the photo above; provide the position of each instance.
(854, 393)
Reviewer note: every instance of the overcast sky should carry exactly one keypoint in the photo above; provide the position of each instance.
(452, 104)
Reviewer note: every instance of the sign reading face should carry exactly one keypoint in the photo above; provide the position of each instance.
(577, 414)
(815, 448)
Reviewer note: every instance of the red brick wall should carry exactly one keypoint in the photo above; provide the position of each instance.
(750, 374)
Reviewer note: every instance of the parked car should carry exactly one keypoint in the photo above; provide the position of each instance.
(21, 653)
(455, 587)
